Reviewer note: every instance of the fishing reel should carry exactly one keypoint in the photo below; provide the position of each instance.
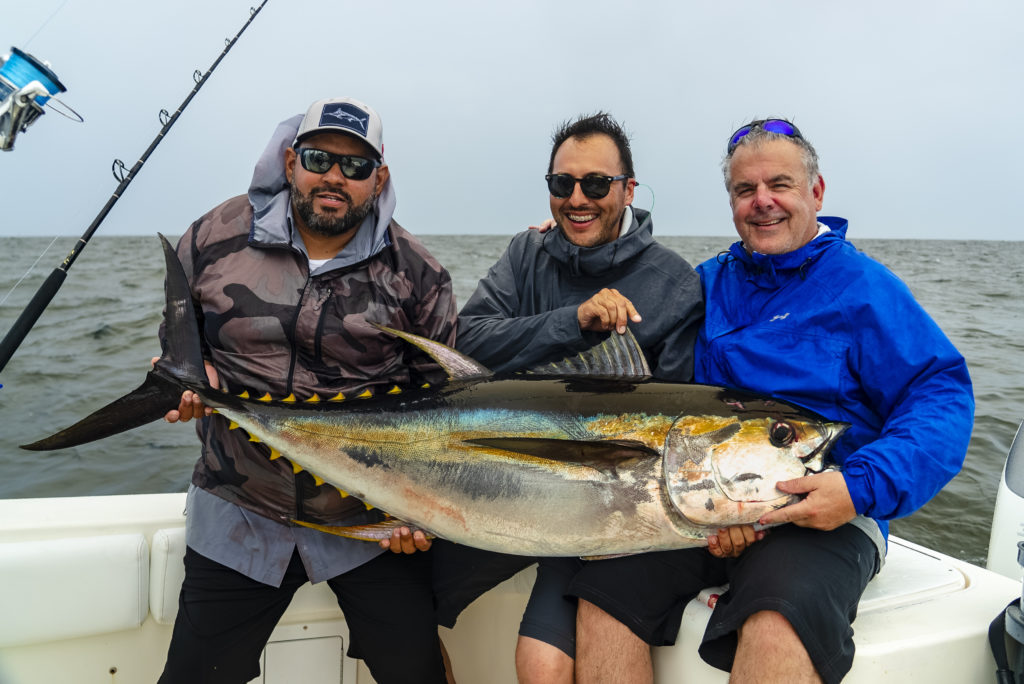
(26, 84)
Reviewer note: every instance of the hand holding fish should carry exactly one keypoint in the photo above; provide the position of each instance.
(730, 542)
(404, 541)
(191, 406)
(826, 506)
(607, 310)
(545, 225)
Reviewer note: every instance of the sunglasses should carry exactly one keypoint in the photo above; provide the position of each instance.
(352, 167)
(562, 185)
(780, 126)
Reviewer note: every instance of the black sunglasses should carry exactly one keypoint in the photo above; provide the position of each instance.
(780, 126)
(561, 185)
(352, 167)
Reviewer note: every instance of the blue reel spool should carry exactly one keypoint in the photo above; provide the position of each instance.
(22, 68)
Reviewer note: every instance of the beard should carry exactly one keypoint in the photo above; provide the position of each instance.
(329, 224)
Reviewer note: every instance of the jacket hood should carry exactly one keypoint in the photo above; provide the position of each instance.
(269, 197)
(592, 261)
(767, 269)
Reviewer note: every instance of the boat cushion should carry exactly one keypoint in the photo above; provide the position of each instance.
(167, 572)
(63, 588)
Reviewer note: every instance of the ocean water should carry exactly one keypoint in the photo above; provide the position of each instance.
(93, 344)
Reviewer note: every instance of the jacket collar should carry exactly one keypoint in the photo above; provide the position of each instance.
(594, 261)
(768, 269)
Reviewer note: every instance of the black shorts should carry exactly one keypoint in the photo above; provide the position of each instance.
(814, 579)
(462, 574)
(225, 618)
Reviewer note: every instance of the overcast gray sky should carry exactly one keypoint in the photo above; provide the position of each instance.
(914, 106)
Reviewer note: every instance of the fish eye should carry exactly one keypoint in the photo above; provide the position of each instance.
(781, 434)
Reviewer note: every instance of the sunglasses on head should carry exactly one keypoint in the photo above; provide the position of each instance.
(594, 186)
(780, 126)
(352, 167)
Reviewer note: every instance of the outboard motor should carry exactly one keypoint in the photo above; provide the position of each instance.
(25, 86)
(1007, 534)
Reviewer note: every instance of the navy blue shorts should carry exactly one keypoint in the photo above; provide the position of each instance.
(814, 579)
(462, 574)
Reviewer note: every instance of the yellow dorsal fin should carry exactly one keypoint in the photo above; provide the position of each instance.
(337, 397)
(266, 397)
(313, 399)
(290, 399)
(395, 390)
(366, 394)
(274, 454)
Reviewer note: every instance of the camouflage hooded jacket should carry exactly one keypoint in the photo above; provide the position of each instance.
(270, 326)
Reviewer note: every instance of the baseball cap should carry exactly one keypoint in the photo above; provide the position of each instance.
(343, 115)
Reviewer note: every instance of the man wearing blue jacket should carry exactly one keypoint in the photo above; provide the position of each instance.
(549, 296)
(795, 311)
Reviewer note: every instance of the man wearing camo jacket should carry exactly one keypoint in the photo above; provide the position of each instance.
(287, 282)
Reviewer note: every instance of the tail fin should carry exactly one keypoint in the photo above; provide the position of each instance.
(179, 368)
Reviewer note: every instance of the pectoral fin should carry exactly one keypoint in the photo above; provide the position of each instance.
(604, 455)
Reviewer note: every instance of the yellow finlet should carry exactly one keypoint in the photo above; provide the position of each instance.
(274, 454)
(254, 438)
(368, 506)
(266, 397)
(244, 394)
(425, 385)
(395, 390)
(232, 425)
(365, 395)
(337, 397)
(317, 480)
(290, 399)
(296, 468)
(313, 399)
(344, 494)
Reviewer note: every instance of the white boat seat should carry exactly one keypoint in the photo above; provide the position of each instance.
(167, 572)
(92, 585)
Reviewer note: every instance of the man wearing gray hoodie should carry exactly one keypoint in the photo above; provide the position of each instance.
(553, 294)
(288, 282)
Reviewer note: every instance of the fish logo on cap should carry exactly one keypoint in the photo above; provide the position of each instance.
(345, 115)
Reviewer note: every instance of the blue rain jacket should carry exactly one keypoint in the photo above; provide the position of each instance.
(831, 329)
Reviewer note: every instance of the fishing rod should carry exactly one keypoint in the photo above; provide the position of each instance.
(49, 288)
